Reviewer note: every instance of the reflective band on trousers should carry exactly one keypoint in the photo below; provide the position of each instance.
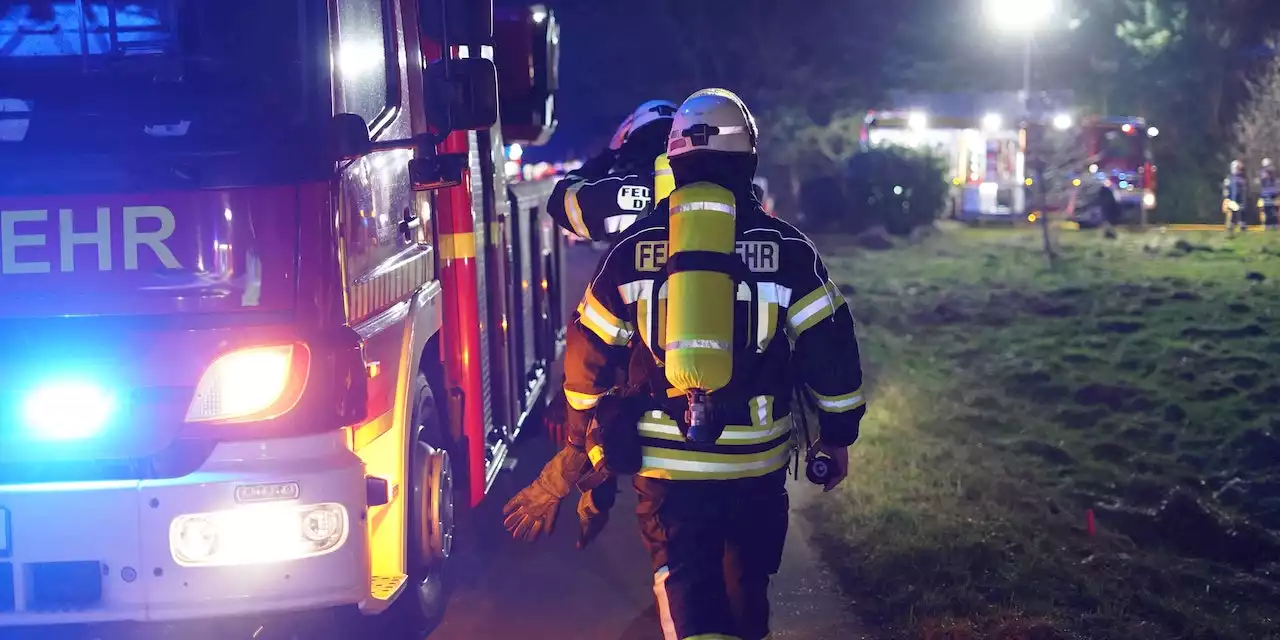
(704, 206)
(719, 345)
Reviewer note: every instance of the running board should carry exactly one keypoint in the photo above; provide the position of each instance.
(533, 391)
(495, 466)
(383, 591)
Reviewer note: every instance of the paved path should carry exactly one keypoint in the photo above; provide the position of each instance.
(551, 591)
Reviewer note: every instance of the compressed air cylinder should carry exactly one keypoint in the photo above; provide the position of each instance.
(699, 314)
(664, 182)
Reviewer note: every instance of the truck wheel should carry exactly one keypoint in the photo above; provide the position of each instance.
(431, 518)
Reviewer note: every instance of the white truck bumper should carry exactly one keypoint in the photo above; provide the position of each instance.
(91, 552)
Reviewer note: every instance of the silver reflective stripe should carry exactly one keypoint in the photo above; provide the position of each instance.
(697, 344)
(616, 224)
(704, 206)
(839, 404)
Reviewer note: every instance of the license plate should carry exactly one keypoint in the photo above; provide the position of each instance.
(4, 533)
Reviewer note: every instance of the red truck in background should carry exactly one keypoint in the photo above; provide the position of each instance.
(269, 310)
(1119, 152)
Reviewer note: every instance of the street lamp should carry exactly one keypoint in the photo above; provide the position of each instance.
(1025, 17)
(1020, 15)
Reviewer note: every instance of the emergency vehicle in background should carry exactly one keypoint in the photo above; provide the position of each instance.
(1119, 152)
(985, 158)
(269, 305)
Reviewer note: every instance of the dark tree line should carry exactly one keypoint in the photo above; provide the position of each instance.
(810, 68)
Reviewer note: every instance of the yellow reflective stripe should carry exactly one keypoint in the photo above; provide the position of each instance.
(604, 324)
(457, 246)
(733, 435)
(573, 209)
(660, 431)
(761, 411)
(595, 454)
(642, 318)
(838, 404)
(582, 401)
(669, 464)
(736, 435)
(815, 307)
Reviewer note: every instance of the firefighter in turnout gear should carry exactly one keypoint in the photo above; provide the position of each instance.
(1268, 190)
(598, 201)
(712, 294)
(613, 189)
(1235, 197)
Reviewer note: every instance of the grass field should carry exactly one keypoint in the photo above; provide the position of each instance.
(1138, 381)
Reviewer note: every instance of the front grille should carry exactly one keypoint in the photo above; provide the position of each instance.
(53, 586)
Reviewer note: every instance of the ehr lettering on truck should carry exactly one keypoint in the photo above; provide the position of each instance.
(267, 303)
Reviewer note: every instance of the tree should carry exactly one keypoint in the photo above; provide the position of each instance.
(808, 70)
(1188, 70)
(1257, 130)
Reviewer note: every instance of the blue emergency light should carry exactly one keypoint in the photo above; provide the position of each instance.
(66, 410)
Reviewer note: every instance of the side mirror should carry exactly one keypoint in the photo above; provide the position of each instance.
(528, 61)
(462, 95)
(349, 137)
(455, 22)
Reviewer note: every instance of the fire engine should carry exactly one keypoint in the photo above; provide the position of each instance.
(985, 156)
(269, 310)
(1119, 152)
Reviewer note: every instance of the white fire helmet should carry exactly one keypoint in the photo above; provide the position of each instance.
(1236, 166)
(644, 114)
(713, 120)
(1266, 163)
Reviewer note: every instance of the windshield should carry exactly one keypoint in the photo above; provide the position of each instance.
(1120, 150)
(144, 76)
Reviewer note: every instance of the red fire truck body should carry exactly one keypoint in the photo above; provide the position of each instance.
(267, 303)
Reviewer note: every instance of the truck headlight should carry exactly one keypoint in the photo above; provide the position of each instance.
(257, 534)
(257, 383)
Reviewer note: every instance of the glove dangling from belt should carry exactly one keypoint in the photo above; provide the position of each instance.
(593, 510)
(613, 439)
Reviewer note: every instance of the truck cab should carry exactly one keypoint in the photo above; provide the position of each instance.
(1120, 158)
(270, 311)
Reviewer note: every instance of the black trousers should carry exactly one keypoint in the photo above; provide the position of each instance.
(714, 545)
